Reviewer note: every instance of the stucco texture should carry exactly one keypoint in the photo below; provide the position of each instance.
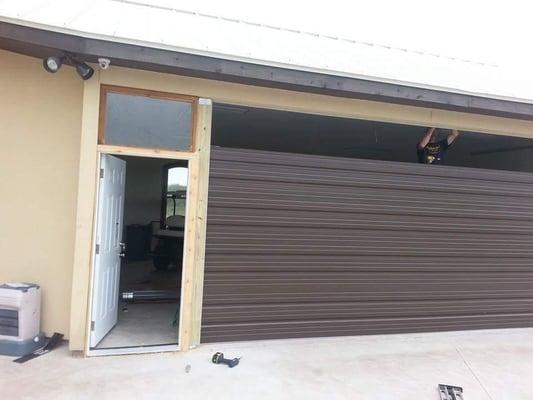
(40, 122)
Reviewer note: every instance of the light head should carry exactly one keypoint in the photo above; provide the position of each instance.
(52, 64)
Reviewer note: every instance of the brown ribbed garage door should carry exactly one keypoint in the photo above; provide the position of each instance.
(301, 245)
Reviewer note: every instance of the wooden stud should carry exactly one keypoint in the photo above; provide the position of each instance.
(189, 246)
(194, 126)
(102, 115)
(204, 155)
(194, 246)
(154, 94)
(87, 178)
(144, 152)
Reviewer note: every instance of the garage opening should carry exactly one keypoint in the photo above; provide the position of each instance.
(144, 304)
(299, 133)
(321, 226)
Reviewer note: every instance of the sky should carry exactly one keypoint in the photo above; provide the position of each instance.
(178, 176)
(494, 32)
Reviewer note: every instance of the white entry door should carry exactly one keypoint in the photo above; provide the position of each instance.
(108, 247)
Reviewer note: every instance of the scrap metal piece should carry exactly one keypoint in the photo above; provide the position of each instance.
(51, 344)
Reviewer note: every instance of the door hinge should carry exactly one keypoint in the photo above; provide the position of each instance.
(92, 326)
(101, 173)
(97, 249)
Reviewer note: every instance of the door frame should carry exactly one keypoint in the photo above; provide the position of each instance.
(194, 238)
(146, 153)
(195, 222)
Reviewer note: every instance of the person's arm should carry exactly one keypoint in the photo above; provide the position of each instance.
(452, 136)
(425, 140)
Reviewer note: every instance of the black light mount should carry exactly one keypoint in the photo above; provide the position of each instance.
(52, 64)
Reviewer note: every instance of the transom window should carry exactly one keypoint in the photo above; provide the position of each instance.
(140, 118)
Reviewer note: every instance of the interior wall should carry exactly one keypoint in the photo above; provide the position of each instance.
(40, 121)
(142, 201)
(495, 157)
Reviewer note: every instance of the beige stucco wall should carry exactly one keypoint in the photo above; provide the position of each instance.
(40, 120)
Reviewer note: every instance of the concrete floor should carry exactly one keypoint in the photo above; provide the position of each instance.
(141, 275)
(489, 365)
(143, 324)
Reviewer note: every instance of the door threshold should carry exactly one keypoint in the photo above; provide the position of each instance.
(116, 351)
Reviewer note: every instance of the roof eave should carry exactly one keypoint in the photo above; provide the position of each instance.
(39, 42)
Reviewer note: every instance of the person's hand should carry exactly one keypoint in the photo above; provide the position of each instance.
(452, 136)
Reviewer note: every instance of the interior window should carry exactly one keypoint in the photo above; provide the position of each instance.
(147, 121)
(175, 192)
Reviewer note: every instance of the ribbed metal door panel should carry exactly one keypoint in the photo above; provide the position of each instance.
(301, 246)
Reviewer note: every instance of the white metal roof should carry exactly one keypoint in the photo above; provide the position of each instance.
(163, 26)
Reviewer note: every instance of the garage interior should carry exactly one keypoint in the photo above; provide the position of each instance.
(272, 130)
(150, 276)
(322, 226)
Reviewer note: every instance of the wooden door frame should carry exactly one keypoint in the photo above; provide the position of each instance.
(147, 153)
(195, 222)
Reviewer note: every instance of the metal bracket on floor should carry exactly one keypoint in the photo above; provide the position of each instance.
(50, 344)
(449, 392)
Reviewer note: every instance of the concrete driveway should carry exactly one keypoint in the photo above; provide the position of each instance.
(495, 365)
